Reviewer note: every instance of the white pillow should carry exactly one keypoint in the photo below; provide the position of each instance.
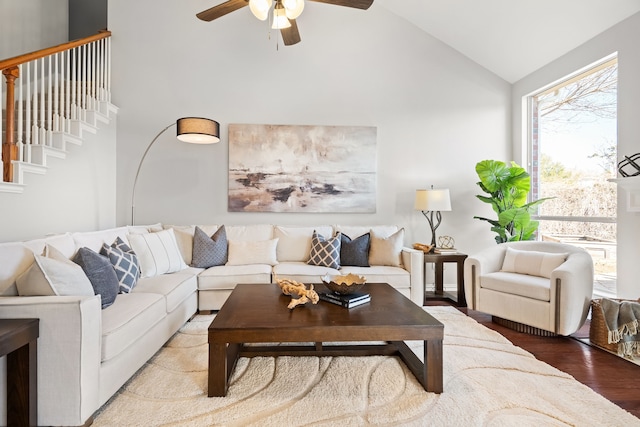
(294, 243)
(252, 252)
(54, 274)
(533, 263)
(157, 253)
(386, 250)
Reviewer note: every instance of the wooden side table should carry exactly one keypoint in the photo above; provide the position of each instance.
(18, 341)
(439, 294)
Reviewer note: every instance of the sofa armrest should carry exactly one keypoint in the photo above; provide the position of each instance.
(487, 261)
(68, 354)
(576, 290)
(413, 262)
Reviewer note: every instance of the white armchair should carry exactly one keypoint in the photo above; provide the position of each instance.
(532, 285)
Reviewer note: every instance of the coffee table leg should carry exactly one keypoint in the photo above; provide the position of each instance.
(217, 369)
(433, 365)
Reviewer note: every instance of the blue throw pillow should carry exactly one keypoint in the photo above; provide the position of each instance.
(355, 252)
(209, 251)
(100, 273)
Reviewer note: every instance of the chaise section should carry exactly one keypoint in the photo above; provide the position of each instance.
(68, 355)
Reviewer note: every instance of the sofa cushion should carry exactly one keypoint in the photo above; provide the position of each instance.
(355, 251)
(16, 259)
(175, 287)
(62, 242)
(533, 263)
(248, 233)
(252, 252)
(95, 239)
(101, 274)
(325, 253)
(128, 319)
(386, 250)
(184, 238)
(157, 253)
(54, 274)
(355, 231)
(523, 285)
(228, 276)
(294, 243)
(209, 251)
(124, 262)
(303, 272)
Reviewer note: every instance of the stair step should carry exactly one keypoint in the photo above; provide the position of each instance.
(11, 187)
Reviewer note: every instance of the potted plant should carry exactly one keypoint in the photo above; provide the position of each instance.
(507, 186)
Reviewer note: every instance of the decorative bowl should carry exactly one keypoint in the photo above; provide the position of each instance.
(344, 285)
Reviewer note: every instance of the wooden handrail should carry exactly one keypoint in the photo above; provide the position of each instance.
(9, 69)
(21, 59)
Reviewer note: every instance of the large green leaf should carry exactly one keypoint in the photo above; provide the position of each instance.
(492, 174)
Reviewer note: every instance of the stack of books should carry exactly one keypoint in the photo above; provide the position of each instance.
(444, 251)
(348, 301)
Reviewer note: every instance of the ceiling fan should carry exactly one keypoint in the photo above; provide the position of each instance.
(284, 13)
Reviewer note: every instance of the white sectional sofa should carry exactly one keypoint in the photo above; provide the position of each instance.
(86, 352)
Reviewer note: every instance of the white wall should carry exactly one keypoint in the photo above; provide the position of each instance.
(437, 113)
(28, 25)
(622, 38)
(77, 193)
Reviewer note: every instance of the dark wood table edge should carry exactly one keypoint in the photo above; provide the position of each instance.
(223, 358)
(20, 345)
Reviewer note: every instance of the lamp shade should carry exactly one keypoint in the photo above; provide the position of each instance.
(260, 8)
(280, 19)
(198, 130)
(433, 200)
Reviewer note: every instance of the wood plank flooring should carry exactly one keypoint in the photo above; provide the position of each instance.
(613, 377)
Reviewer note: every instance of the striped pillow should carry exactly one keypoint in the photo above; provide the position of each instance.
(158, 253)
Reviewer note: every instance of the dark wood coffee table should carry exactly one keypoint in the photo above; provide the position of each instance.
(258, 313)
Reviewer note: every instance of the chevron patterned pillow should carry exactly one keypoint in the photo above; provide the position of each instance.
(325, 253)
(125, 263)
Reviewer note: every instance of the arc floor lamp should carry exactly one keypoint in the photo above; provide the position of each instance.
(194, 130)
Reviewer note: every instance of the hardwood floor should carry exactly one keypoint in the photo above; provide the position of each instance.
(611, 376)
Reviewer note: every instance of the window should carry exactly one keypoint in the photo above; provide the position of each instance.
(572, 150)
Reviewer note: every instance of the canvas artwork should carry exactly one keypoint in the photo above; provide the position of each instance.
(287, 168)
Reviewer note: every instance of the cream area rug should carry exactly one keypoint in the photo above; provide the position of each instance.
(487, 382)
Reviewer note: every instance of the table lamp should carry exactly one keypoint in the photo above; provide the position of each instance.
(430, 202)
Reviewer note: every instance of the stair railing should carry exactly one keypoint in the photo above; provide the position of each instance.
(47, 90)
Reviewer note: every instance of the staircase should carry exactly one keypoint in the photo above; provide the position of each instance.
(51, 98)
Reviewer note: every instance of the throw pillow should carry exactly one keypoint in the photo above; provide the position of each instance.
(253, 252)
(386, 250)
(100, 273)
(325, 253)
(54, 274)
(124, 262)
(355, 252)
(209, 251)
(157, 253)
(533, 263)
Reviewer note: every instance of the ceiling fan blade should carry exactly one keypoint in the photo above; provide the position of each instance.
(290, 35)
(358, 4)
(222, 9)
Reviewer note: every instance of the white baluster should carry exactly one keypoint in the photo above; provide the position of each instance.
(29, 106)
(19, 139)
(35, 134)
(42, 119)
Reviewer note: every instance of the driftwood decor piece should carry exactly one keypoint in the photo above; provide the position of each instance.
(291, 287)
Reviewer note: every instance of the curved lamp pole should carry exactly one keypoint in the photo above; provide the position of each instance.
(194, 130)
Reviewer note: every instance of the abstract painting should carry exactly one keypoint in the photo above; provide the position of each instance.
(291, 168)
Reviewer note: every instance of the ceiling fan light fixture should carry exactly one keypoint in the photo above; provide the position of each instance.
(293, 8)
(260, 8)
(280, 19)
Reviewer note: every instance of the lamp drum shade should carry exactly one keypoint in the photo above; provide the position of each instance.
(198, 130)
(433, 200)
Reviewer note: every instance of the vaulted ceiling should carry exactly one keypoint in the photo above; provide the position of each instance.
(513, 38)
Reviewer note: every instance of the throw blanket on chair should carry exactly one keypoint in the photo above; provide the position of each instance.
(622, 319)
